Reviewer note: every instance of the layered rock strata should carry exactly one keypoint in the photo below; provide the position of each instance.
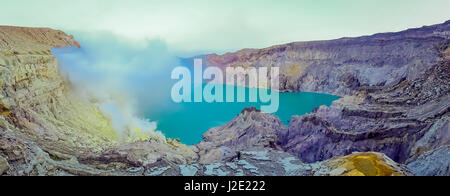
(46, 129)
(395, 98)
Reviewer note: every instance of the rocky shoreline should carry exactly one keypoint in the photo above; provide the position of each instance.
(392, 119)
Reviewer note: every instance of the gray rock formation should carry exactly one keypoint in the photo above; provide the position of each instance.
(432, 163)
(352, 64)
(278, 163)
(4, 165)
(250, 130)
(395, 89)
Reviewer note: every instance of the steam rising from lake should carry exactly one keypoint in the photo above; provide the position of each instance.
(121, 77)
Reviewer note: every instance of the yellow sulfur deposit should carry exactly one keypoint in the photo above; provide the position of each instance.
(364, 164)
(140, 136)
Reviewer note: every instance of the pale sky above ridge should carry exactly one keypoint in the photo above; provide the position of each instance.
(221, 25)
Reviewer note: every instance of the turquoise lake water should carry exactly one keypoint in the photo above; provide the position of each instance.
(151, 88)
(189, 121)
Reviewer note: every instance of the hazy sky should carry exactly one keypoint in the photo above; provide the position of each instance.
(221, 25)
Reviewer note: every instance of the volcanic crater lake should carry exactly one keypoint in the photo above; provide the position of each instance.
(185, 121)
(189, 121)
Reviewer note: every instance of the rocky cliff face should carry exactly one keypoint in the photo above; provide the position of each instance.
(34, 97)
(395, 101)
(395, 89)
(45, 129)
(352, 64)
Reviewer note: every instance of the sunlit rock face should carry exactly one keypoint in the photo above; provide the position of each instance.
(45, 127)
(35, 98)
(40, 118)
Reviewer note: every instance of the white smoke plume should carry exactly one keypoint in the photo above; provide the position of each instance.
(121, 77)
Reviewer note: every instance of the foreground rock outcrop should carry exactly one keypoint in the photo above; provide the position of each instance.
(250, 130)
(392, 118)
(279, 163)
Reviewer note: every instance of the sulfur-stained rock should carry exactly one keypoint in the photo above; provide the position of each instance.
(360, 164)
(34, 96)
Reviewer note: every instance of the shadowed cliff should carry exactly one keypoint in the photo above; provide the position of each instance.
(395, 89)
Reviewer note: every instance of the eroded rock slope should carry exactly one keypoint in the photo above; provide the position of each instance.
(45, 129)
(395, 98)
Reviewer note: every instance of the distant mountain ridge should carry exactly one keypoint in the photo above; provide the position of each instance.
(387, 54)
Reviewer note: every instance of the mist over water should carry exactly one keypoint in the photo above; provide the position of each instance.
(131, 83)
(121, 76)
(189, 121)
